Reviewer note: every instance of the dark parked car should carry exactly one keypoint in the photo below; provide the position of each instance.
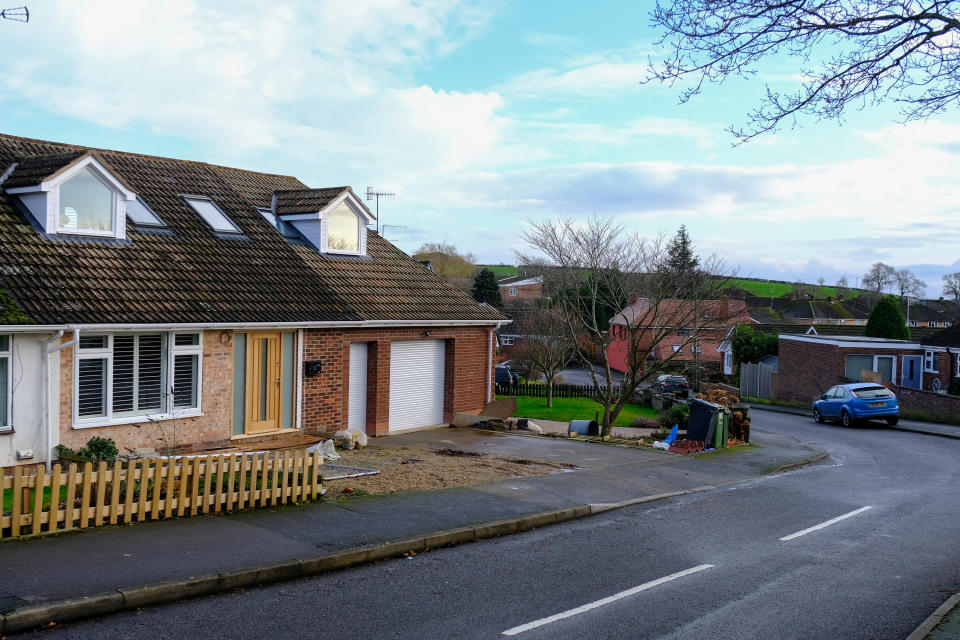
(503, 376)
(675, 385)
(849, 403)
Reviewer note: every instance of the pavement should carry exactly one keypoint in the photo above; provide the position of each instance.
(99, 571)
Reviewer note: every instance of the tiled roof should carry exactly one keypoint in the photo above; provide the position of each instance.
(511, 280)
(33, 170)
(307, 200)
(672, 313)
(191, 275)
(949, 337)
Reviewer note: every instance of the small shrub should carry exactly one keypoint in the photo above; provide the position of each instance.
(97, 450)
(677, 414)
(643, 423)
(954, 388)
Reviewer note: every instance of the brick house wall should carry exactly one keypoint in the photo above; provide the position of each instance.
(215, 425)
(525, 293)
(324, 399)
(946, 365)
(325, 395)
(806, 370)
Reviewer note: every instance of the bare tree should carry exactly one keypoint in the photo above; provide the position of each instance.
(951, 285)
(908, 284)
(547, 346)
(594, 267)
(849, 52)
(843, 283)
(879, 276)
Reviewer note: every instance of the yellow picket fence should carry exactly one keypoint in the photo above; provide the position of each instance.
(154, 489)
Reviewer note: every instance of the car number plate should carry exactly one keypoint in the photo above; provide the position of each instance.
(877, 404)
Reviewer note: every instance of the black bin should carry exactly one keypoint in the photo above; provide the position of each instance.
(703, 421)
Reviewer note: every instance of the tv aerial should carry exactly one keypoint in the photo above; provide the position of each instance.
(371, 195)
(16, 14)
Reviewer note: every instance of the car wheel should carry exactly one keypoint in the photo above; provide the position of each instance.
(892, 420)
(846, 419)
(817, 416)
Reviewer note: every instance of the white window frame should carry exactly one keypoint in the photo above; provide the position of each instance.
(361, 231)
(106, 353)
(512, 291)
(506, 340)
(8, 356)
(675, 347)
(683, 332)
(930, 361)
(189, 199)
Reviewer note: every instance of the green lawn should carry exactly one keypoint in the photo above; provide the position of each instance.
(779, 289)
(566, 409)
(500, 270)
(8, 499)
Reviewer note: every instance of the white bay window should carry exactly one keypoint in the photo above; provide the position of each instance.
(123, 377)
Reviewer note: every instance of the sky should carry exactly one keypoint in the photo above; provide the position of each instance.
(481, 116)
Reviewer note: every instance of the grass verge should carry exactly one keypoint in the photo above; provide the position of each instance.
(566, 409)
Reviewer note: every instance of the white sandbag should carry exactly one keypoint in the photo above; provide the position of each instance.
(347, 439)
(329, 451)
(534, 427)
(360, 438)
(661, 445)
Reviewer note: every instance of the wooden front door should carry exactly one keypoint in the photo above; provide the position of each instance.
(263, 381)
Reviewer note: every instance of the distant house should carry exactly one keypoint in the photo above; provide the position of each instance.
(520, 289)
(678, 330)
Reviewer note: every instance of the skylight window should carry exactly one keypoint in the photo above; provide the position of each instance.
(142, 215)
(283, 227)
(211, 214)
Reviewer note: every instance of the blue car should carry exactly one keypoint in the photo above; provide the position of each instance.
(849, 403)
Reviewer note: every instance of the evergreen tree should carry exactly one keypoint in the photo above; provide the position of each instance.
(750, 346)
(680, 256)
(887, 321)
(485, 288)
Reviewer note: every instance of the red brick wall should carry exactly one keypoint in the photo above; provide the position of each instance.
(524, 293)
(325, 396)
(806, 370)
(946, 369)
(932, 404)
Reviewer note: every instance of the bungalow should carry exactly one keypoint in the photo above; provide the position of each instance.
(169, 304)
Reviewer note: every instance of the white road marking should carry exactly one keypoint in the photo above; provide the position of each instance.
(823, 525)
(599, 603)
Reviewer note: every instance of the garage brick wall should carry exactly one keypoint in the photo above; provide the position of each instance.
(325, 395)
(806, 369)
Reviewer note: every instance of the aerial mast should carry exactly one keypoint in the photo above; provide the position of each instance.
(376, 195)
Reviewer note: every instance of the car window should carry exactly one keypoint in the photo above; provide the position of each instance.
(831, 393)
(873, 392)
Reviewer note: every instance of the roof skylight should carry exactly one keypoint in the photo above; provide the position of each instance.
(211, 214)
(142, 215)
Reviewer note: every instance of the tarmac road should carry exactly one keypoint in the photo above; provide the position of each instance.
(744, 561)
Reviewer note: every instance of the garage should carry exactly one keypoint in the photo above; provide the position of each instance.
(416, 384)
(357, 391)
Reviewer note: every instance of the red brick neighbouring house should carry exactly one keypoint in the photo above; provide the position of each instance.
(520, 289)
(808, 365)
(672, 329)
(168, 304)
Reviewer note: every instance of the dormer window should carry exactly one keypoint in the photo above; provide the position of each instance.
(333, 221)
(71, 193)
(86, 204)
(343, 229)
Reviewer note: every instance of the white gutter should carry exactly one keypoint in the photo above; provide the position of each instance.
(47, 396)
(200, 326)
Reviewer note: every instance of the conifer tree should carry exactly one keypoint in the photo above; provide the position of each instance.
(485, 288)
(887, 321)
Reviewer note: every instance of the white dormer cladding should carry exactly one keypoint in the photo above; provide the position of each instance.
(325, 229)
(84, 198)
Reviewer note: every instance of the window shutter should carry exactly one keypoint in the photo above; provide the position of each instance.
(92, 387)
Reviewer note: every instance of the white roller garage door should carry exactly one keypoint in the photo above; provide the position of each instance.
(416, 384)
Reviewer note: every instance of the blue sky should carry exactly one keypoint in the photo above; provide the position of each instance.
(480, 115)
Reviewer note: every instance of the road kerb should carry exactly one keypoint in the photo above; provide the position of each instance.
(928, 625)
(127, 599)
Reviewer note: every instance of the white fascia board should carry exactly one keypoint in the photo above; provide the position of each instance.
(211, 326)
(353, 202)
(856, 345)
(522, 283)
(85, 161)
